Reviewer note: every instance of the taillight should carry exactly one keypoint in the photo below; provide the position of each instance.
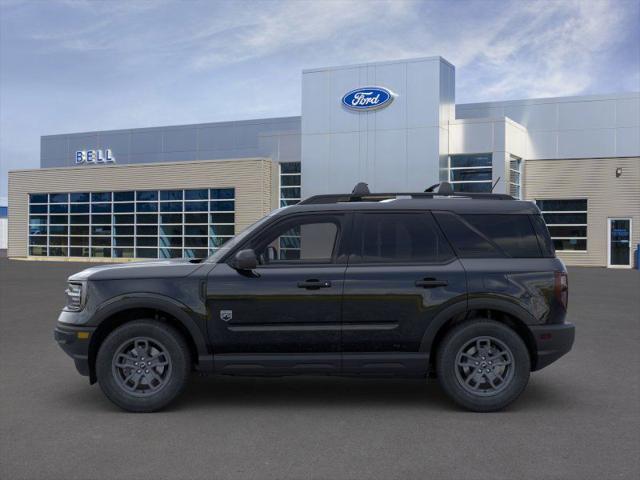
(562, 288)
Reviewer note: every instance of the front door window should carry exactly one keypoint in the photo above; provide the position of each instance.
(619, 242)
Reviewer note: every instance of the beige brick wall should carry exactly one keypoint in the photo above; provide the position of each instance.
(595, 180)
(253, 180)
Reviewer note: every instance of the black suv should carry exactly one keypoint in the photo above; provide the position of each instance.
(464, 287)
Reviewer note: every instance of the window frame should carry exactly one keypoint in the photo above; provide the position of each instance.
(549, 225)
(451, 169)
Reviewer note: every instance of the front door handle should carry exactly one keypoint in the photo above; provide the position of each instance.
(314, 284)
(431, 283)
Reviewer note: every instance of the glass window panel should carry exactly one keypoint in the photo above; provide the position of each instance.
(199, 194)
(101, 208)
(171, 207)
(514, 234)
(37, 219)
(58, 230)
(38, 240)
(290, 180)
(290, 167)
(147, 241)
(79, 197)
(124, 219)
(572, 231)
(147, 207)
(570, 244)
(196, 253)
(123, 252)
(101, 196)
(80, 208)
(58, 241)
(101, 230)
(218, 206)
(171, 218)
(466, 175)
(565, 218)
(79, 251)
(222, 218)
(119, 230)
(58, 208)
(195, 218)
(147, 196)
(58, 197)
(476, 160)
(171, 241)
(79, 219)
(79, 240)
(147, 230)
(123, 196)
(215, 242)
(472, 187)
(222, 193)
(58, 251)
(37, 230)
(195, 230)
(123, 207)
(38, 251)
(79, 230)
(38, 197)
(101, 252)
(100, 241)
(195, 207)
(171, 195)
(562, 205)
(146, 218)
(37, 209)
(170, 230)
(467, 242)
(101, 219)
(123, 241)
(58, 219)
(146, 252)
(222, 230)
(170, 253)
(290, 192)
(196, 242)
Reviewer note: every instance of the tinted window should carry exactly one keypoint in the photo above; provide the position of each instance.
(469, 243)
(401, 238)
(514, 234)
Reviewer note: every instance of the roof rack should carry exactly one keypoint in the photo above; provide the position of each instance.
(361, 193)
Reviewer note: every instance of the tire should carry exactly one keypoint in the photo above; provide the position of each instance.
(488, 347)
(143, 365)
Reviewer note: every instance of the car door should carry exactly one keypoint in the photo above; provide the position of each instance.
(286, 314)
(402, 272)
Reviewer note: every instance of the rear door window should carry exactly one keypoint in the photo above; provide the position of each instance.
(400, 238)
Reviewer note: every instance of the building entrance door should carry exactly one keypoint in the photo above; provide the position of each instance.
(619, 243)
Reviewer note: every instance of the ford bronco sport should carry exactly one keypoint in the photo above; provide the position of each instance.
(464, 287)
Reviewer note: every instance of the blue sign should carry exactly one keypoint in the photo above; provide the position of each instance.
(368, 98)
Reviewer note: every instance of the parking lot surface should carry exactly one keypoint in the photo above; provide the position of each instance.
(578, 418)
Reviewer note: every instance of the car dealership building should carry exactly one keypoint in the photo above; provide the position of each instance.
(182, 191)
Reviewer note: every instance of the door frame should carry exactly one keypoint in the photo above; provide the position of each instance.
(609, 220)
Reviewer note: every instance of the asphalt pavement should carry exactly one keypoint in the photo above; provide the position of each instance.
(578, 418)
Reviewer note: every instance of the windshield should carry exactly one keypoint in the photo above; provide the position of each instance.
(222, 251)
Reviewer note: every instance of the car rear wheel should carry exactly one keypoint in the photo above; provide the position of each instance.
(143, 365)
(483, 365)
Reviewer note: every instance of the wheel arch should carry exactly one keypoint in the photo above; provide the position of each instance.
(119, 311)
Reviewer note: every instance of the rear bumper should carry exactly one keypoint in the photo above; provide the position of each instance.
(75, 343)
(552, 342)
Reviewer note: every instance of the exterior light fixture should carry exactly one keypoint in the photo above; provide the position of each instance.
(618, 172)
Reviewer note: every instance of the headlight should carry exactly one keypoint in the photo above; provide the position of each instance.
(75, 297)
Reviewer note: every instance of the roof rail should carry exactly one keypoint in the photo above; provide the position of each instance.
(361, 193)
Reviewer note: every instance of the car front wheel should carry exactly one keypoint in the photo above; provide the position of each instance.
(483, 365)
(143, 365)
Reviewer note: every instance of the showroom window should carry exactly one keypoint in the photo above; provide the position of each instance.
(471, 173)
(515, 173)
(289, 183)
(567, 222)
(189, 223)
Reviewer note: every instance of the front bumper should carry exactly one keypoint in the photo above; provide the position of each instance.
(75, 341)
(552, 342)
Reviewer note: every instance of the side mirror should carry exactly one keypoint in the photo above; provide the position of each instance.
(245, 260)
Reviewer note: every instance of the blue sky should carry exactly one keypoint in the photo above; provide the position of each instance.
(71, 66)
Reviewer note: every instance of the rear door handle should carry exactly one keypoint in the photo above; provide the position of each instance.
(314, 284)
(431, 283)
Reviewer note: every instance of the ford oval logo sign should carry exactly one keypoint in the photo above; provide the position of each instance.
(368, 98)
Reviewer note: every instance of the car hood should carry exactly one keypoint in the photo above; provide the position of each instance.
(146, 269)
